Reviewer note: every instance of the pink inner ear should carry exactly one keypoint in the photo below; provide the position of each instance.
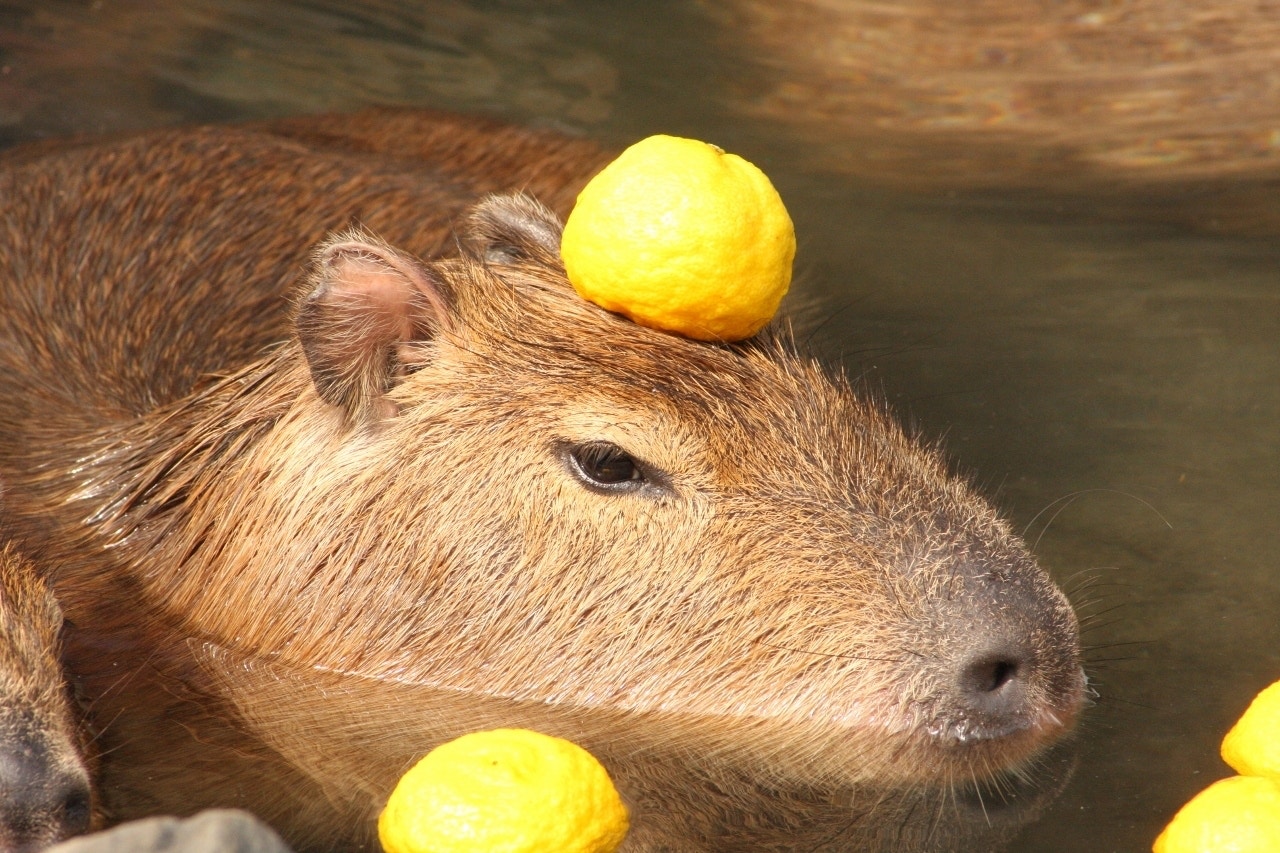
(368, 303)
(395, 286)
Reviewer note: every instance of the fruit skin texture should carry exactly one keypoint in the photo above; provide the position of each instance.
(1236, 815)
(680, 236)
(504, 791)
(1252, 747)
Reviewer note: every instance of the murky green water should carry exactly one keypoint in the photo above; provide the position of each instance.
(1107, 361)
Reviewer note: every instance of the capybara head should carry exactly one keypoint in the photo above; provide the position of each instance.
(464, 485)
(44, 785)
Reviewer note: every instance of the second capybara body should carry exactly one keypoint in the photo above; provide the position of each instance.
(44, 781)
(335, 466)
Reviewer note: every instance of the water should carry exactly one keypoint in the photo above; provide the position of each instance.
(1102, 351)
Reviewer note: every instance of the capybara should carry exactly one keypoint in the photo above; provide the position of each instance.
(44, 782)
(335, 465)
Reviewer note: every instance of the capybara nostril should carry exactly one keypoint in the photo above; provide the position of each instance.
(990, 674)
(992, 688)
(75, 805)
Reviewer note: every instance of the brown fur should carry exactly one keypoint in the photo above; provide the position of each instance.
(44, 782)
(298, 559)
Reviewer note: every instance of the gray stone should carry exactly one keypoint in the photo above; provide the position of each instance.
(213, 831)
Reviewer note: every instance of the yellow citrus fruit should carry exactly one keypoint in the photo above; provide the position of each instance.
(678, 235)
(504, 791)
(1252, 747)
(1236, 815)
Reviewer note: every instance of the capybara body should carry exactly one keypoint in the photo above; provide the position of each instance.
(44, 781)
(320, 502)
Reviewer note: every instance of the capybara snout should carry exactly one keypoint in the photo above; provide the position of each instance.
(304, 541)
(1004, 650)
(44, 785)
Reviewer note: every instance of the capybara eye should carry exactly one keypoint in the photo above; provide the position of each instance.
(605, 465)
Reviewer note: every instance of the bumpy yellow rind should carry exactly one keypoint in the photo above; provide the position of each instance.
(508, 790)
(1236, 815)
(1252, 747)
(678, 235)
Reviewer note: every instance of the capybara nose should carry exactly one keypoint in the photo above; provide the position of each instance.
(41, 802)
(1008, 662)
(993, 682)
(1008, 686)
(73, 803)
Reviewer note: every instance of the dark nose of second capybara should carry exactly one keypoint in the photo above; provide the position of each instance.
(43, 799)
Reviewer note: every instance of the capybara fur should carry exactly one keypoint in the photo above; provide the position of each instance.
(335, 465)
(44, 780)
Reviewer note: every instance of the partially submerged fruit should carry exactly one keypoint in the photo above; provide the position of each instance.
(509, 790)
(1236, 815)
(1240, 814)
(1252, 747)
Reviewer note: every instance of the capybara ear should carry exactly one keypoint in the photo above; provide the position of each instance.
(507, 229)
(366, 299)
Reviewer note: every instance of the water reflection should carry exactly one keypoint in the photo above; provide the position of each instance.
(678, 802)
